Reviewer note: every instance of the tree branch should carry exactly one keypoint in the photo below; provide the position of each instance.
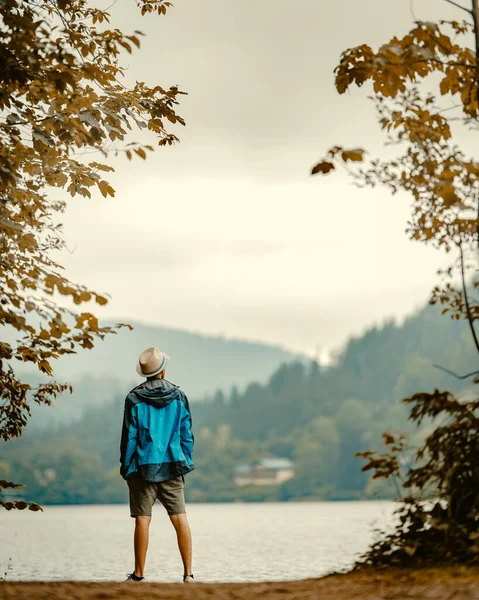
(455, 374)
(458, 6)
(475, 18)
(466, 300)
(441, 62)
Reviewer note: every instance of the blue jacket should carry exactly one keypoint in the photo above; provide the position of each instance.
(156, 440)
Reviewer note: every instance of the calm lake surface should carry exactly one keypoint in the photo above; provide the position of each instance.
(231, 542)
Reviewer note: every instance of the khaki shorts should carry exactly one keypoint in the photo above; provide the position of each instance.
(143, 495)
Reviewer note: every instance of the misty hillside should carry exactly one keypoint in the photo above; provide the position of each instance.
(199, 364)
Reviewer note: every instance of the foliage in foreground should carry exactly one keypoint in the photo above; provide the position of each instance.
(61, 99)
(18, 504)
(439, 516)
(61, 96)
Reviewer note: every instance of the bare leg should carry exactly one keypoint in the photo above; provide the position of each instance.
(183, 533)
(142, 527)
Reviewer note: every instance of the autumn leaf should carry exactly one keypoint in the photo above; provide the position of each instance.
(448, 193)
(323, 167)
(105, 189)
(355, 155)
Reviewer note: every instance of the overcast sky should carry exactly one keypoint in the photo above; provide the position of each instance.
(227, 233)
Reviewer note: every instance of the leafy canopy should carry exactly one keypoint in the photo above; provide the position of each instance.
(439, 517)
(62, 99)
(442, 181)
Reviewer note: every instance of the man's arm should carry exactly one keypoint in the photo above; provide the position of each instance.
(186, 434)
(129, 436)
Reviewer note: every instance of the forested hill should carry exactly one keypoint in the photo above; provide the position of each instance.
(318, 418)
(380, 367)
(375, 370)
(200, 364)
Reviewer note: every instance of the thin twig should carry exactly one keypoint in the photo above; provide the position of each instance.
(455, 374)
(443, 110)
(459, 6)
(466, 300)
(441, 62)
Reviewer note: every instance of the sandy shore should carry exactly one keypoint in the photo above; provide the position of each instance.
(438, 584)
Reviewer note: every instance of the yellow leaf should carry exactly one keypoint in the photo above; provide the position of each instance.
(105, 188)
(323, 167)
(355, 155)
(448, 194)
(45, 367)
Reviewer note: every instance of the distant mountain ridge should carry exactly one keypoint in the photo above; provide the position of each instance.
(200, 364)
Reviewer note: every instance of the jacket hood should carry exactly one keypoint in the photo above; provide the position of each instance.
(157, 392)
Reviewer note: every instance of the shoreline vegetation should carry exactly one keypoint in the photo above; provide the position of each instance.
(46, 505)
(458, 582)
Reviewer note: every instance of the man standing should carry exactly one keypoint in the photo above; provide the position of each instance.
(155, 454)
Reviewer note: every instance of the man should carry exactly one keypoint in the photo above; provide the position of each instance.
(155, 454)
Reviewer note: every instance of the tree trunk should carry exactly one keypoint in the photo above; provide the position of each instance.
(475, 17)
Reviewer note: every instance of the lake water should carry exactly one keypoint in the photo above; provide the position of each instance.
(231, 542)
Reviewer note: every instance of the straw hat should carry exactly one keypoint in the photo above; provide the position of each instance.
(151, 362)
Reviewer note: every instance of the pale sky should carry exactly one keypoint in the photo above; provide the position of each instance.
(227, 233)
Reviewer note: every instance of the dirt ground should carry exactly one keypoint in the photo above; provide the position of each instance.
(439, 584)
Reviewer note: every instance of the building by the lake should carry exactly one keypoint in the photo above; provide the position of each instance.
(267, 471)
